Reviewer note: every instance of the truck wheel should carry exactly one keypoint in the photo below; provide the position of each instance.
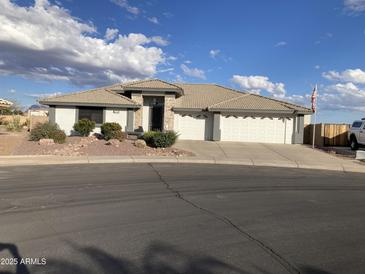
(353, 143)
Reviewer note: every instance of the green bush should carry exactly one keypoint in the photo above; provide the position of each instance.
(14, 124)
(48, 131)
(84, 127)
(160, 139)
(112, 131)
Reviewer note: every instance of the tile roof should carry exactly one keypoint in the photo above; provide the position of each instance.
(201, 96)
(194, 96)
(147, 84)
(101, 96)
(215, 97)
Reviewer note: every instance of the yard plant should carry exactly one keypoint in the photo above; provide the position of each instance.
(160, 139)
(84, 127)
(48, 131)
(14, 124)
(112, 131)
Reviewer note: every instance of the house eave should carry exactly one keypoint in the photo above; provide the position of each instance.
(76, 104)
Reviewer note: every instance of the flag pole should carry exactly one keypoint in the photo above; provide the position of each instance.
(315, 117)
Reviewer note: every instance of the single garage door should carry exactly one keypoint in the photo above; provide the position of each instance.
(194, 126)
(256, 129)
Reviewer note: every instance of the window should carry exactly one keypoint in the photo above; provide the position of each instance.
(92, 113)
(357, 124)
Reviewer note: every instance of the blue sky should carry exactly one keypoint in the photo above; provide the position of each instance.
(275, 48)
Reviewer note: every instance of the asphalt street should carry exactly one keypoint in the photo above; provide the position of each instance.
(167, 218)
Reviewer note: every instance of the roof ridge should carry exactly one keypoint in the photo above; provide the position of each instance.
(284, 103)
(149, 80)
(229, 100)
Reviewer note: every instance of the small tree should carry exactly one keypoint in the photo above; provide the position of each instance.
(84, 127)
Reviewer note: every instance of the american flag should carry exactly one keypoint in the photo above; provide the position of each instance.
(314, 99)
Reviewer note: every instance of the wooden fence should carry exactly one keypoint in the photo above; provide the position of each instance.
(327, 135)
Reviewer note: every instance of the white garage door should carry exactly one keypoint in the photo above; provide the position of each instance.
(192, 126)
(256, 129)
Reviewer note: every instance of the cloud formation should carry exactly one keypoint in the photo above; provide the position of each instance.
(347, 94)
(125, 5)
(214, 52)
(256, 84)
(281, 44)
(193, 72)
(355, 5)
(349, 75)
(153, 20)
(45, 42)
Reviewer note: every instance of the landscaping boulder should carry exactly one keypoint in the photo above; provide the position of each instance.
(140, 143)
(46, 142)
(113, 142)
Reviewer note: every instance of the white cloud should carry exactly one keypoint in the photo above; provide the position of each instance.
(166, 70)
(256, 84)
(153, 20)
(167, 14)
(43, 95)
(336, 97)
(172, 58)
(193, 72)
(214, 52)
(110, 34)
(158, 40)
(355, 5)
(187, 62)
(356, 76)
(12, 90)
(317, 66)
(125, 5)
(69, 50)
(281, 44)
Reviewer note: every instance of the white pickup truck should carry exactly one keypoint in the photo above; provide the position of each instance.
(356, 134)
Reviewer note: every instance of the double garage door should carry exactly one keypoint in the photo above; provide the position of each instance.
(235, 128)
(193, 126)
(256, 129)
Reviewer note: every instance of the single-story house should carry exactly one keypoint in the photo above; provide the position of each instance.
(195, 111)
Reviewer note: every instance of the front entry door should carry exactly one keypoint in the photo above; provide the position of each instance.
(157, 117)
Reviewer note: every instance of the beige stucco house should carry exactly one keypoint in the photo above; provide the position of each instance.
(195, 111)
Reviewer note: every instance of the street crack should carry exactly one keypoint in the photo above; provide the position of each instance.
(271, 252)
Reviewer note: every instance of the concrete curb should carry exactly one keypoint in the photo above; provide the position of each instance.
(30, 160)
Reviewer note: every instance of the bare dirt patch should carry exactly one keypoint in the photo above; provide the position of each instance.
(9, 141)
(91, 146)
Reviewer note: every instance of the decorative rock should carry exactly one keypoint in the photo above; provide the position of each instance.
(46, 142)
(140, 143)
(113, 142)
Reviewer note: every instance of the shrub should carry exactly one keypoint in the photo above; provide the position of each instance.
(14, 124)
(160, 139)
(112, 131)
(84, 127)
(48, 131)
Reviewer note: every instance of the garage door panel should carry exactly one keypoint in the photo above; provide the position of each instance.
(256, 129)
(193, 126)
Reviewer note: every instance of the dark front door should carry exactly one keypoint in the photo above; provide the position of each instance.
(157, 117)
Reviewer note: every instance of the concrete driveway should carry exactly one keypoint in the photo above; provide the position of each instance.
(269, 155)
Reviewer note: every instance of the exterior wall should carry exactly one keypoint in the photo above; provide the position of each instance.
(117, 115)
(168, 113)
(298, 130)
(65, 118)
(137, 97)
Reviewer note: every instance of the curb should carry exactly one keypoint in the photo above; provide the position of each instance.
(33, 160)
